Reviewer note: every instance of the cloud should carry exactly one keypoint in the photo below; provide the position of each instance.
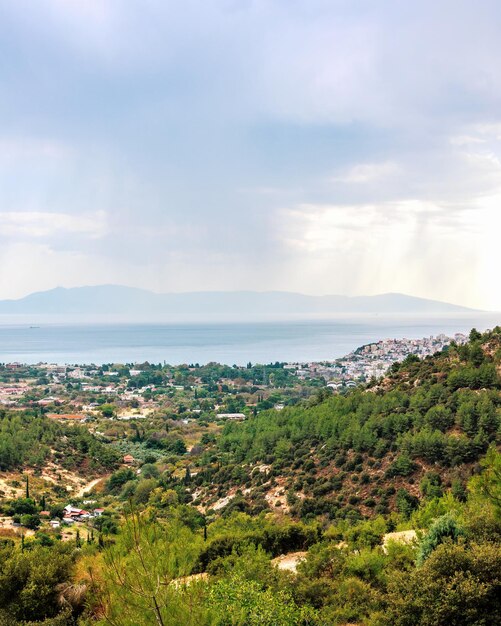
(332, 227)
(320, 146)
(17, 148)
(367, 173)
(46, 225)
(394, 246)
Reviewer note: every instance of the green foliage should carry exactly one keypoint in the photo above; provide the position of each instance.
(119, 478)
(431, 485)
(240, 602)
(330, 458)
(107, 410)
(143, 490)
(445, 527)
(31, 521)
(457, 585)
(366, 564)
(488, 484)
(21, 506)
(31, 440)
(140, 569)
(402, 466)
(406, 502)
(433, 508)
(368, 534)
(241, 530)
(416, 416)
(106, 524)
(149, 470)
(29, 583)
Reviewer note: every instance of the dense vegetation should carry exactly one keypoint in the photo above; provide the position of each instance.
(451, 576)
(28, 439)
(417, 451)
(375, 449)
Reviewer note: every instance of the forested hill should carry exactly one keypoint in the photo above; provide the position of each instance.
(30, 440)
(204, 539)
(418, 431)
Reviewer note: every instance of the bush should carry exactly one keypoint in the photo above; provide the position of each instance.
(446, 527)
(31, 521)
(457, 585)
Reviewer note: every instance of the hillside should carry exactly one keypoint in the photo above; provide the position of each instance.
(238, 305)
(30, 441)
(419, 431)
(381, 507)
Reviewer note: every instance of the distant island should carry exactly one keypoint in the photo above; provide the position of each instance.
(140, 304)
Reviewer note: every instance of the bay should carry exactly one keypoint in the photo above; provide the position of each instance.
(231, 343)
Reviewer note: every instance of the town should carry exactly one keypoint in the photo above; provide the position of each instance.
(372, 360)
(148, 413)
(77, 393)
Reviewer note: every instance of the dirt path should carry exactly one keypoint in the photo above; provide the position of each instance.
(16, 492)
(403, 536)
(289, 561)
(89, 486)
(187, 580)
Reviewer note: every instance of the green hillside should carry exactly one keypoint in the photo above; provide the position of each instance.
(30, 440)
(381, 507)
(419, 431)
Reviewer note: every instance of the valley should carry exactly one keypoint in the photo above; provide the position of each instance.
(254, 498)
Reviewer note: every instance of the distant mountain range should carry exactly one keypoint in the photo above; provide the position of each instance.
(139, 304)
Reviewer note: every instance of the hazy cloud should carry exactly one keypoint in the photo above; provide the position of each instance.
(38, 224)
(320, 145)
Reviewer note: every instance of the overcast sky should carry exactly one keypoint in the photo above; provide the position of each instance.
(319, 146)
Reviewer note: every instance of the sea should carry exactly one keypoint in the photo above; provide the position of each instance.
(77, 342)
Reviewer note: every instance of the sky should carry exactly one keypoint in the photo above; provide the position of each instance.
(322, 146)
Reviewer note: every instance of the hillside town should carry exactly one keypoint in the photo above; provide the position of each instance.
(372, 360)
(76, 393)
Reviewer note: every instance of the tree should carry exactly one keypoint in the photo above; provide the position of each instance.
(248, 603)
(31, 520)
(29, 584)
(57, 511)
(474, 335)
(107, 410)
(488, 484)
(445, 527)
(138, 585)
(431, 485)
(458, 490)
(406, 503)
(143, 490)
(23, 505)
(119, 478)
(457, 585)
(149, 470)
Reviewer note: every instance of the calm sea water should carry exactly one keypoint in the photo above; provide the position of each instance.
(225, 343)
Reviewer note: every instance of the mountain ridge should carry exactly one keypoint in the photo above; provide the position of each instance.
(134, 301)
